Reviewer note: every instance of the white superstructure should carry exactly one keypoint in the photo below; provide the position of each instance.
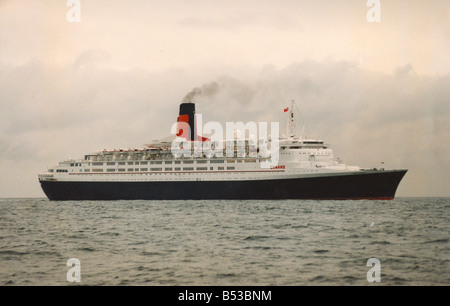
(298, 157)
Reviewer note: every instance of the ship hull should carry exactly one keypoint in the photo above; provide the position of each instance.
(356, 185)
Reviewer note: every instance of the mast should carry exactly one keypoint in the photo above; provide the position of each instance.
(291, 125)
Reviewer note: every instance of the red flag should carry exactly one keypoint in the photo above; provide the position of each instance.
(286, 109)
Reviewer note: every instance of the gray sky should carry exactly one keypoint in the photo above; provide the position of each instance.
(374, 91)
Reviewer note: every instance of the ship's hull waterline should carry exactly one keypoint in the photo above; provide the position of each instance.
(342, 186)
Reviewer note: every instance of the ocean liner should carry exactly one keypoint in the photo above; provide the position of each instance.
(305, 169)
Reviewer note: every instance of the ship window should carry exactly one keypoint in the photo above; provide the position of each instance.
(130, 163)
(111, 170)
(188, 168)
(230, 161)
(97, 164)
(121, 163)
(177, 169)
(168, 162)
(136, 169)
(97, 170)
(220, 168)
(136, 163)
(250, 160)
(211, 168)
(216, 161)
(202, 161)
(130, 169)
(71, 165)
(144, 169)
(230, 168)
(188, 162)
(87, 170)
(167, 169)
(144, 163)
(121, 169)
(50, 170)
(156, 162)
(202, 168)
(111, 163)
(178, 162)
(155, 169)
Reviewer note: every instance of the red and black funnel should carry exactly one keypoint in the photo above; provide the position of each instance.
(186, 123)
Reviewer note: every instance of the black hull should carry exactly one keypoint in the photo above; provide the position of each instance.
(363, 185)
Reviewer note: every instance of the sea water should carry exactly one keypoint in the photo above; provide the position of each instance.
(262, 243)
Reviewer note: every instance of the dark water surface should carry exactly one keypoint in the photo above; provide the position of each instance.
(225, 242)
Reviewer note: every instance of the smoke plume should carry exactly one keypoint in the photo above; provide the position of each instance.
(207, 90)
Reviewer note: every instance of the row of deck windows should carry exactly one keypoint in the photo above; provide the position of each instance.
(153, 169)
(169, 162)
